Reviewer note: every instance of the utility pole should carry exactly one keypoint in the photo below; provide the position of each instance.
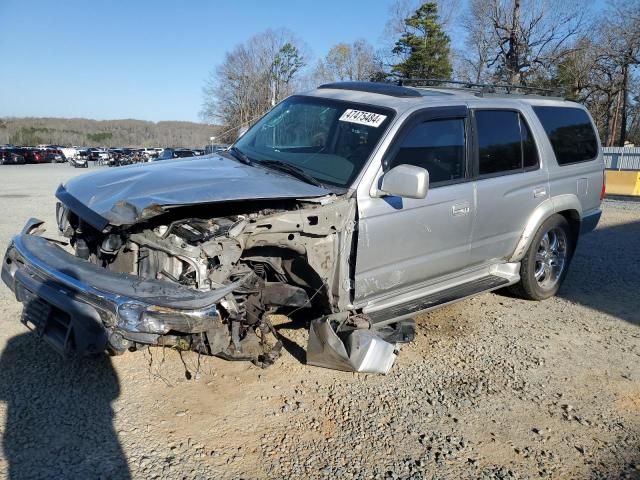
(623, 120)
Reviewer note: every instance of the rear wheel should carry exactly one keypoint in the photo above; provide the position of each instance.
(545, 264)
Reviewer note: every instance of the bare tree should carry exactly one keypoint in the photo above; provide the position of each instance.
(348, 61)
(253, 77)
(517, 38)
(622, 47)
(472, 62)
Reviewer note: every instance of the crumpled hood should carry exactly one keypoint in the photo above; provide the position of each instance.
(127, 195)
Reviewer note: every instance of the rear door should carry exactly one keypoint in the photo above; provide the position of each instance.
(576, 149)
(510, 181)
(402, 242)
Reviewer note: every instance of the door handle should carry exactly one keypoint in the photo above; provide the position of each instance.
(539, 192)
(460, 209)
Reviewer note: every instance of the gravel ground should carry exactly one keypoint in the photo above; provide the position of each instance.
(493, 388)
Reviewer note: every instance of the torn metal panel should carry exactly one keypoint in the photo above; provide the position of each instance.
(362, 350)
(127, 195)
(322, 234)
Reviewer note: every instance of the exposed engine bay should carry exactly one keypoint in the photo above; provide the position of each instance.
(282, 257)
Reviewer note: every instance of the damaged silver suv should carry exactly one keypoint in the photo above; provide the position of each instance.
(357, 205)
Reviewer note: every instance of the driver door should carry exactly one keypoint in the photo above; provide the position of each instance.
(405, 243)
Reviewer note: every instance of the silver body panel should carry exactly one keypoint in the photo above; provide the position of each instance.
(410, 248)
(126, 195)
(421, 240)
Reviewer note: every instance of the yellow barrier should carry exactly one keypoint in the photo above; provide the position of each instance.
(622, 182)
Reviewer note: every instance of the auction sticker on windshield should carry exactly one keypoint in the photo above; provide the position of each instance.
(363, 118)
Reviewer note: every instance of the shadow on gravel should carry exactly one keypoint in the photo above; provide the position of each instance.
(297, 351)
(605, 272)
(59, 421)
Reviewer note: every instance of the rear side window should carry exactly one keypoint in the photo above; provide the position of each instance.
(570, 133)
(505, 143)
(437, 146)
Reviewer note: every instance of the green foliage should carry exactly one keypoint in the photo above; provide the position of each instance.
(99, 137)
(425, 46)
(287, 62)
(379, 76)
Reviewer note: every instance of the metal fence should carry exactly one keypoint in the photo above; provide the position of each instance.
(619, 158)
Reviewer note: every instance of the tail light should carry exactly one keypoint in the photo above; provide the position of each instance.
(604, 187)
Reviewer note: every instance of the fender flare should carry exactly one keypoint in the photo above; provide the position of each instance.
(542, 212)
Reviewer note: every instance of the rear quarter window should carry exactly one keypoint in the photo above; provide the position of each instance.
(570, 132)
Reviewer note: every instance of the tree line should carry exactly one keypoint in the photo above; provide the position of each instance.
(588, 56)
(105, 133)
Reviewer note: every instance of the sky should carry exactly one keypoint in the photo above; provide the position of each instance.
(148, 59)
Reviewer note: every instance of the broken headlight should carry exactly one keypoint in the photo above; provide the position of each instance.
(134, 317)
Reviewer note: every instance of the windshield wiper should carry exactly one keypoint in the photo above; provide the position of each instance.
(239, 155)
(291, 170)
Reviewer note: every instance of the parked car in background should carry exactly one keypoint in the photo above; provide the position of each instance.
(215, 148)
(8, 157)
(149, 152)
(115, 151)
(100, 156)
(114, 155)
(171, 153)
(79, 161)
(68, 152)
(54, 156)
(83, 154)
(31, 155)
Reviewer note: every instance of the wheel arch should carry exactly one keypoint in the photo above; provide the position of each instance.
(567, 205)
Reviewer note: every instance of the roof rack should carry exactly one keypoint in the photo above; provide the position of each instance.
(479, 89)
(383, 88)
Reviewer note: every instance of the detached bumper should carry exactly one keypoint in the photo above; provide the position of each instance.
(78, 307)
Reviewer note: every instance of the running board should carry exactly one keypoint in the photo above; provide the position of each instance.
(436, 299)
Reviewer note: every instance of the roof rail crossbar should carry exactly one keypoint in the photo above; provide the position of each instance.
(383, 88)
(478, 88)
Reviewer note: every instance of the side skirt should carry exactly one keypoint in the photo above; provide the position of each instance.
(437, 299)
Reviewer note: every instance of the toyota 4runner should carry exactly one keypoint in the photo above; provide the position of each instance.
(358, 205)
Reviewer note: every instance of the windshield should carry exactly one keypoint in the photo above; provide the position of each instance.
(328, 140)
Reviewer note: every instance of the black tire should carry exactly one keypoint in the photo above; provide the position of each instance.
(530, 287)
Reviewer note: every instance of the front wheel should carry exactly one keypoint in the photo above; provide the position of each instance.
(545, 264)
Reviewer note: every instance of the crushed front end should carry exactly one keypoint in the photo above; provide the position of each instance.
(80, 308)
(182, 279)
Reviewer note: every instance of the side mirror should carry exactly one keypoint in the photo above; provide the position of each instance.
(406, 181)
